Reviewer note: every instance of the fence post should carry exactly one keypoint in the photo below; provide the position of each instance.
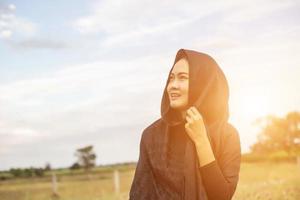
(54, 185)
(117, 181)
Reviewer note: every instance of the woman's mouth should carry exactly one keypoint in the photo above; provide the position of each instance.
(174, 96)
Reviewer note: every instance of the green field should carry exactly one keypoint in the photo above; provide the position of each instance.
(278, 181)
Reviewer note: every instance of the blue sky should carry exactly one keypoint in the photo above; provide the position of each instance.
(75, 73)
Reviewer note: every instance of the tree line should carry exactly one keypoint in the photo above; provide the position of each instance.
(86, 159)
(277, 141)
(278, 134)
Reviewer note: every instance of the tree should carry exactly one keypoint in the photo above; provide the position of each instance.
(279, 134)
(38, 171)
(86, 157)
(75, 166)
(47, 167)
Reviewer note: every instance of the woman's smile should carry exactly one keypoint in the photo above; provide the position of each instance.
(175, 96)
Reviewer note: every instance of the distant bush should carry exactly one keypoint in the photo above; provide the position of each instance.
(16, 172)
(281, 156)
(39, 172)
(5, 176)
(27, 172)
(278, 156)
(248, 157)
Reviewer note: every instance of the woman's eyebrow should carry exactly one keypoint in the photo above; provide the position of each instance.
(180, 73)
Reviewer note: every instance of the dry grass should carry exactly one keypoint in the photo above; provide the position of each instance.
(269, 181)
(257, 181)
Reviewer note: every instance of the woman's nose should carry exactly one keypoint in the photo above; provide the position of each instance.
(174, 84)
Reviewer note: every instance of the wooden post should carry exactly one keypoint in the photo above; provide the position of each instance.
(54, 185)
(117, 181)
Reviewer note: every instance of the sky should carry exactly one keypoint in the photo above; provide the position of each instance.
(77, 73)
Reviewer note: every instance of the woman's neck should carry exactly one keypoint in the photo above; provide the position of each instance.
(183, 114)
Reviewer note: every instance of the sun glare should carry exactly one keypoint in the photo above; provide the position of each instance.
(252, 106)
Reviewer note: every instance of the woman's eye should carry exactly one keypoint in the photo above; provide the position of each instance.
(171, 78)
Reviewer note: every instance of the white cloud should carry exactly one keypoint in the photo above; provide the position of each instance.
(11, 25)
(5, 34)
(12, 7)
(21, 33)
(246, 11)
(123, 21)
(17, 134)
(136, 22)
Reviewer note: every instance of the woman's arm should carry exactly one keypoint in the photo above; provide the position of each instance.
(204, 152)
(220, 177)
(197, 132)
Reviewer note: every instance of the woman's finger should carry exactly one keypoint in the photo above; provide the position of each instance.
(191, 114)
(188, 130)
(189, 119)
(196, 113)
(194, 110)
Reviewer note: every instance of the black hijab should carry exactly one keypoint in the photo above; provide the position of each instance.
(208, 89)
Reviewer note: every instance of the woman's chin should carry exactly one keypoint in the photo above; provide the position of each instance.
(177, 107)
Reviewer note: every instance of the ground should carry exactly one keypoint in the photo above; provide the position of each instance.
(264, 180)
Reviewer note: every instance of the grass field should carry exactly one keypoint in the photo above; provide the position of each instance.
(265, 181)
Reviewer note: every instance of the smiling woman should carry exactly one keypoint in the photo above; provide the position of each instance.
(191, 152)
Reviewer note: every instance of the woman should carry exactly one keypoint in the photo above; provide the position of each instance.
(191, 152)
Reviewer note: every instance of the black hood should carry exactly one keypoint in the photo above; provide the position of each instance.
(208, 89)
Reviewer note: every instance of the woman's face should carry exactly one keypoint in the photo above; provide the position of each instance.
(178, 85)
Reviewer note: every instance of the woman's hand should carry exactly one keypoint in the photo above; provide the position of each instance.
(195, 127)
(196, 130)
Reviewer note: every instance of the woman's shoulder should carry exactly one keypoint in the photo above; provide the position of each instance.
(230, 131)
(230, 138)
(153, 128)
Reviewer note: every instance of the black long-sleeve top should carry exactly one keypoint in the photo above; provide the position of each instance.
(161, 177)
